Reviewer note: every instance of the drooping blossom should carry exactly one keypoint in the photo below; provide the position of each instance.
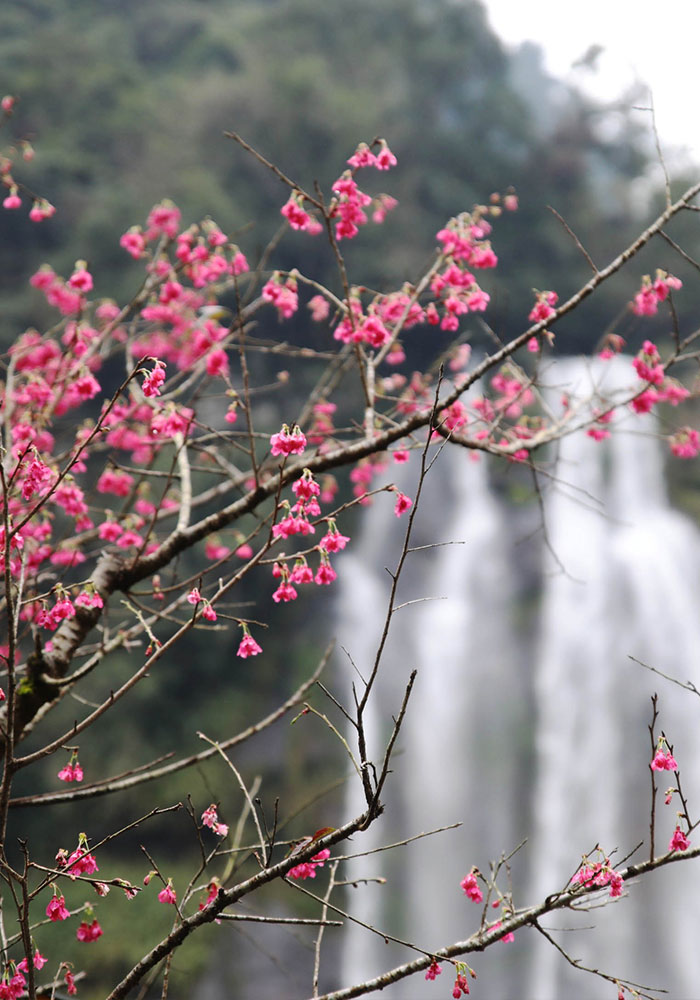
(647, 364)
(471, 887)
(210, 818)
(461, 986)
(167, 895)
(544, 306)
(434, 970)
(56, 910)
(153, 381)
(685, 443)
(679, 841)
(88, 932)
(286, 442)
(403, 503)
(69, 980)
(663, 761)
(72, 771)
(248, 646)
(294, 213)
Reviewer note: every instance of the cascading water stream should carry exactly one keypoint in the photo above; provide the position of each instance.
(449, 761)
(548, 737)
(631, 588)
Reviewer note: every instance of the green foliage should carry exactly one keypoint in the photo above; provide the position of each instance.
(130, 102)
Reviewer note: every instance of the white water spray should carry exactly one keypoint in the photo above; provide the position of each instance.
(545, 737)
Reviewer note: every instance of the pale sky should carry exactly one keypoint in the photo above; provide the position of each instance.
(656, 42)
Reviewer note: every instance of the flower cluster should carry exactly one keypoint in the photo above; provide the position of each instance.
(286, 442)
(247, 646)
(282, 293)
(88, 932)
(471, 887)
(210, 818)
(298, 217)
(646, 301)
(308, 868)
(679, 841)
(647, 364)
(663, 758)
(599, 874)
(168, 895)
(72, 770)
(543, 308)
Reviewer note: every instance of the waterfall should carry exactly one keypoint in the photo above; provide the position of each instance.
(529, 718)
(630, 588)
(451, 764)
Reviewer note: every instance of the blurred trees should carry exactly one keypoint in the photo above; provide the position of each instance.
(131, 101)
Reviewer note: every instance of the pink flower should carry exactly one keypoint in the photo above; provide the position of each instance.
(81, 862)
(543, 308)
(56, 910)
(403, 503)
(285, 592)
(81, 280)
(194, 596)
(616, 884)
(648, 365)
(88, 932)
(70, 983)
(212, 893)
(644, 402)
(239, 264)
(12, 201)
(294, 213)
(210, 818)
(385, 159)
(685, 443)
(63, 608)
(133, 242)
(319, 307)
(286, 442)
(87, 599)
(153, 381)
(308, 868)
(129, 538)
(283, 296)
(39, 962)
(333, 541)
(471, 887)
(163, 219)
(116, 482)
(362, 157)
(248, 646)
(217, 362)
(663, 761)
(461, 986)
(434, 970)
(679, 841)
(208, 613)
(167, 895)
(109, 531)
(41, 210)
(302, 573)
(214, 550)
(507, 938)
(71, 772)
(325, 574)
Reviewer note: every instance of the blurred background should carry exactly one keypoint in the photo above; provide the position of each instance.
(127, 103)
